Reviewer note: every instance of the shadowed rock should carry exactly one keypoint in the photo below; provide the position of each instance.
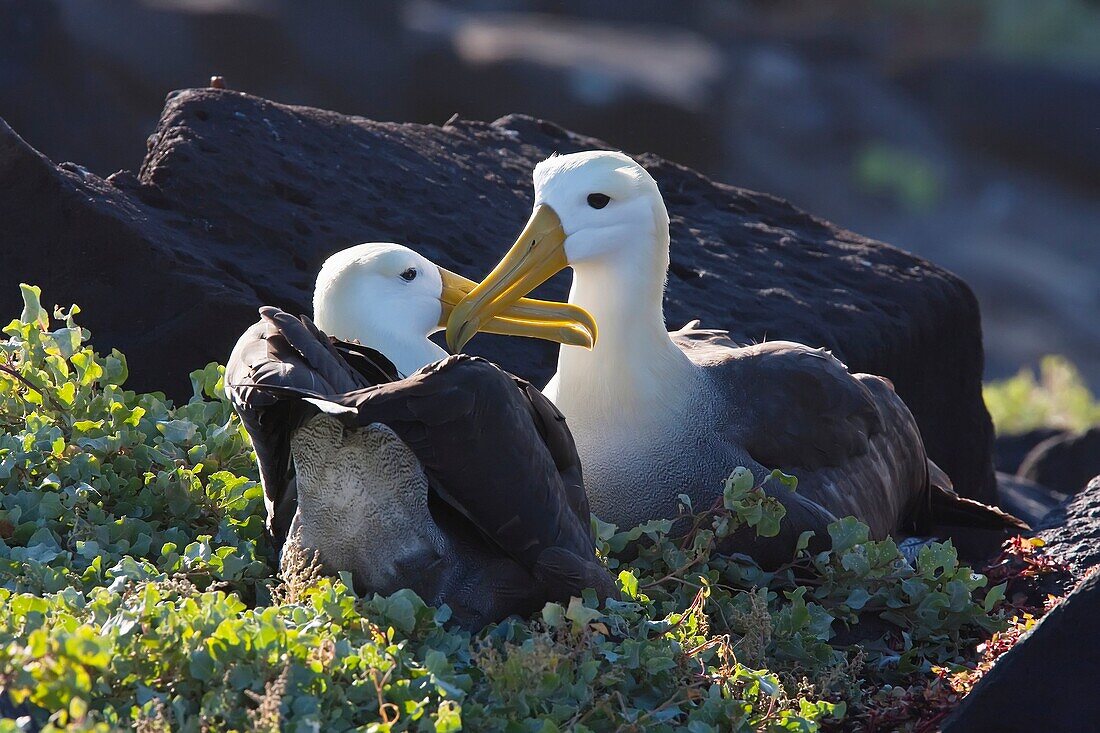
(1009, 451)
(1047, 682)
(1026, 499)
(1072, 531)
(239, 201)
(1064, 462)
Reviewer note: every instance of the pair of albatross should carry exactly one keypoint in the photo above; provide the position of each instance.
(444, 474)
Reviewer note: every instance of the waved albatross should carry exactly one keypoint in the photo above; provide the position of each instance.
(656, 414)
(458, 481)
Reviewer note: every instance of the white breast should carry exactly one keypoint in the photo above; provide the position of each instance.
(638, 458)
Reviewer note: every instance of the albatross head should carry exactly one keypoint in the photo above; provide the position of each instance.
(603, 202)
(390, 298)
(597, 210)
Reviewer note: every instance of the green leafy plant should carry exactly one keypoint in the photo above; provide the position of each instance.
(1058, 398)
(137, 590)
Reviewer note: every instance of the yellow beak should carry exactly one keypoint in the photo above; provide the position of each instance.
(537, 254)
(560, 322)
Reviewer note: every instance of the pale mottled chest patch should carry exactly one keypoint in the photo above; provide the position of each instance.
(362, 498)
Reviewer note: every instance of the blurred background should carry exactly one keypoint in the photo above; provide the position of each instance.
(967, 131)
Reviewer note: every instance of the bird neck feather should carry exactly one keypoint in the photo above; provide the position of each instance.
(634, 364)
(407, 351)
(410, 354)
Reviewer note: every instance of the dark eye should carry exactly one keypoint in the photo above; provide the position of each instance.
(409, 275)
(598, 200)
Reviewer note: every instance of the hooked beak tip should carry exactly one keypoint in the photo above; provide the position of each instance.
(459, 334)
(465, 333)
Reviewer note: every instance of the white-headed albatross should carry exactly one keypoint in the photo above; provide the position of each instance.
(458, 481)
(656, 414)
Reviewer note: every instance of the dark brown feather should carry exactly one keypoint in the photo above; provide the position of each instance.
(851, 441)
(474, 432)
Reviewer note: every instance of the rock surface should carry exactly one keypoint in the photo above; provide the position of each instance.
(239, 200)
(1037, 113)
(1064, 462)
(1047, 682)
(1009, 451)
(628, 83)
(1026, 499)
(1072, 531)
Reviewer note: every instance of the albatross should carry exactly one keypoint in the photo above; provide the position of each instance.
(658, 414)
(407, 467)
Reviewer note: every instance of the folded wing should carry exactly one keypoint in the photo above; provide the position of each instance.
(276, 359)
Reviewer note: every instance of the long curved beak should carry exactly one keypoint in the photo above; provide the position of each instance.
(537, 254)
(561, 322)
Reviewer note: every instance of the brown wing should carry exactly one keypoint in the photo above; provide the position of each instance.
(492, 452)
(291, 353)
(809, 412)
(849, 439)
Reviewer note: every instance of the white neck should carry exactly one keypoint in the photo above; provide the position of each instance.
(408, 351)
(634, 364)
(409, 354)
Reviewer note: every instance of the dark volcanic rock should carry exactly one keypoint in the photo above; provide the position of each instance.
(1064, 462)
(1042, 115)
(240, 200)
(85, 81)
(1047, 682)
(1026, 499)
(63, 97)
(1072, 531)
(1009, 451)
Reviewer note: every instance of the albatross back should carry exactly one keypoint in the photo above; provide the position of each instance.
(849, 438)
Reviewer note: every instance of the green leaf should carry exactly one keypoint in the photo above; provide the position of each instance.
(33, 312)
(87, 368)
(448, 717)
(629, 583)
(995, 595)
(177, 431)
(580, 614)
(739, 483)
(857, 598)
(788, 481)
(553, 614)
(847, 533)
(202, 666)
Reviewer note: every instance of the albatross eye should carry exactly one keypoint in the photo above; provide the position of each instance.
(598, 200)
(409, 275)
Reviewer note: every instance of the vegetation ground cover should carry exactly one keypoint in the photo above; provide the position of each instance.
(137, 589)
(1056, 397)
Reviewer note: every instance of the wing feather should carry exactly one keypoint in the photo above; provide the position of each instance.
(472, 428)
(494, 449)
(275, 363)
(849, 439)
